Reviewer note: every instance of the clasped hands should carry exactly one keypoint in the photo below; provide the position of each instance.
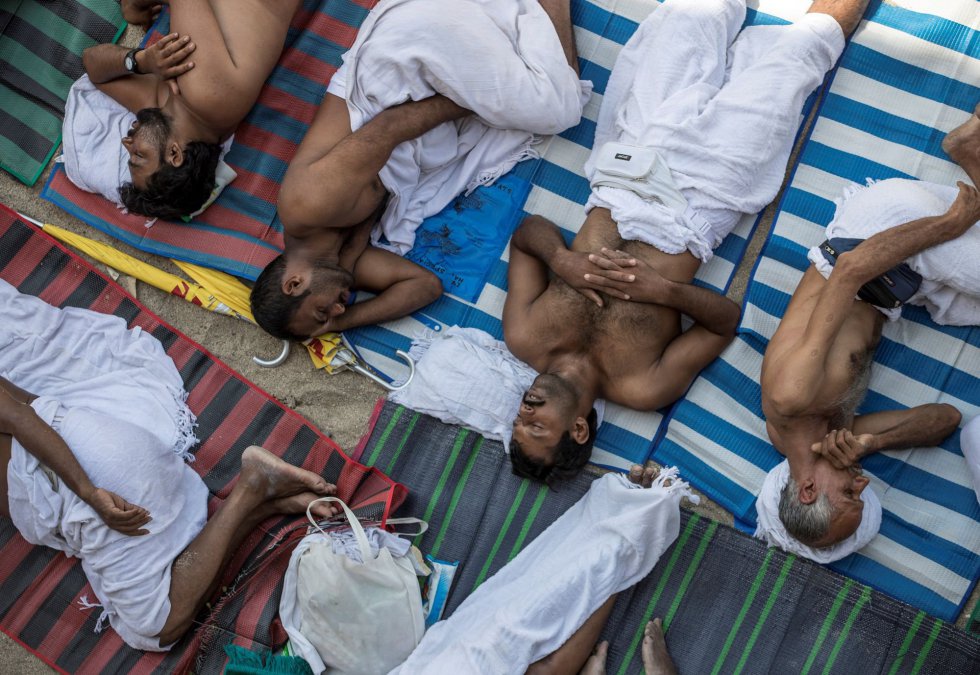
(615, 273)
(843, 449)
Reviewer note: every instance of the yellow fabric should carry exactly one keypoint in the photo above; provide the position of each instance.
(214, 290)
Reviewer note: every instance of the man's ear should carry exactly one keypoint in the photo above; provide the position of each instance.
(294, 284)
(174, 154)
(580, 430)
(337, 308)
(808, 491)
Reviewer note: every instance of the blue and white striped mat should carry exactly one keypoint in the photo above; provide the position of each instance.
(559, 191)
(909, 76)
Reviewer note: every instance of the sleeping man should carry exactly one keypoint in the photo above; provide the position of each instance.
(184, 109)
(435, 97)
(893, 242)
(695, 129)
(94, 433)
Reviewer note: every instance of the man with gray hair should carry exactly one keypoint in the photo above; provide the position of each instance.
(889, 243)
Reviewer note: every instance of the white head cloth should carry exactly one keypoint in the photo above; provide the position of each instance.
(771, 528)
(465, 376)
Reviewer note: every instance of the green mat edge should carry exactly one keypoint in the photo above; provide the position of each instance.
(29, 182)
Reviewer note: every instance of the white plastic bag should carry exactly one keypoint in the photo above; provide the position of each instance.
(360, 618)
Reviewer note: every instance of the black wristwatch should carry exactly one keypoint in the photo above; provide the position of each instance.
(130, 61)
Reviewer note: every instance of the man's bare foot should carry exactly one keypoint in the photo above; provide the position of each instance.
(643, 475)
(962, 144)
(596, 665)
(272, 478)
(297, 504)
(656, 660)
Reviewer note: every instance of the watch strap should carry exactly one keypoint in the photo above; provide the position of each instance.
(131, 58)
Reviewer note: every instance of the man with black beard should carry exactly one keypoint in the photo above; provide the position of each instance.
(185, 109)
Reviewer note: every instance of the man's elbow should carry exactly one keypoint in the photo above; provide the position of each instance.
(428, 288)
(87, 60)
(949, 418)
(783, 401)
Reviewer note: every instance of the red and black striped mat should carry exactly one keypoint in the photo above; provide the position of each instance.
(40, 588)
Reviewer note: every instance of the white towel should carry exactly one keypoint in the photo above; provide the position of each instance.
(950, 288)
(970, 446)
(464, 376)
(604, 544)
(93, 153)
(118, 401)
(771, 528)
(94, 157)
(723, 112)
(502, 60)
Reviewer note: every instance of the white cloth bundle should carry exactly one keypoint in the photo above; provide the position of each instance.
(464, 376)
(723, 112)
(950, 288)
(605, 543)
(970, 446)
(771, 528)
(502, 60)
(92, 151)
(118, 401)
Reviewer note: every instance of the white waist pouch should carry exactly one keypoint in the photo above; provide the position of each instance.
(638, 169)
(361, 618)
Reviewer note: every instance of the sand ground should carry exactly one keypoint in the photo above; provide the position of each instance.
(340, 405)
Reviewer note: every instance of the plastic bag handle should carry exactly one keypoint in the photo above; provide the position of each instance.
(355, 525)
(423, 526)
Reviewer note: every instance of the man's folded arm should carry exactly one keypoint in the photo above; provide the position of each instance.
(400, 285)
(535, 242)
(105, 66)
(684, 358)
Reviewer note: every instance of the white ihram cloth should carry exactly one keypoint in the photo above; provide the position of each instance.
(604, 544)
(464, 376)
(970, 446)
(502, 60)
(722, 112)
(771, 528)
(117, 400)
(94, 157)
(950, 288)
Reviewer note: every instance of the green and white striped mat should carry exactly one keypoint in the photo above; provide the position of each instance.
(729, 604)
(41, 44)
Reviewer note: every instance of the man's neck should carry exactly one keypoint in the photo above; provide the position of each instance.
(794, 439)
(187, 125)
(580, 372)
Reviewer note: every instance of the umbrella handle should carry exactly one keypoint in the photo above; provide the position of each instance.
(387, 385)
(277, 361)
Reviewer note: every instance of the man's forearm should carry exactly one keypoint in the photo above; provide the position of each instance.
(39, 439)
(923, 426)
(395, 302)
(539, 237)
(712, 310)
(410, 120)
(105, 62)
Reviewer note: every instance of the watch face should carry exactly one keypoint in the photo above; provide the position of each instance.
(130, 62)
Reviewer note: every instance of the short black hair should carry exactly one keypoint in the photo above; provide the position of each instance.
(176, 191)
(272, 309)
(570, 457)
